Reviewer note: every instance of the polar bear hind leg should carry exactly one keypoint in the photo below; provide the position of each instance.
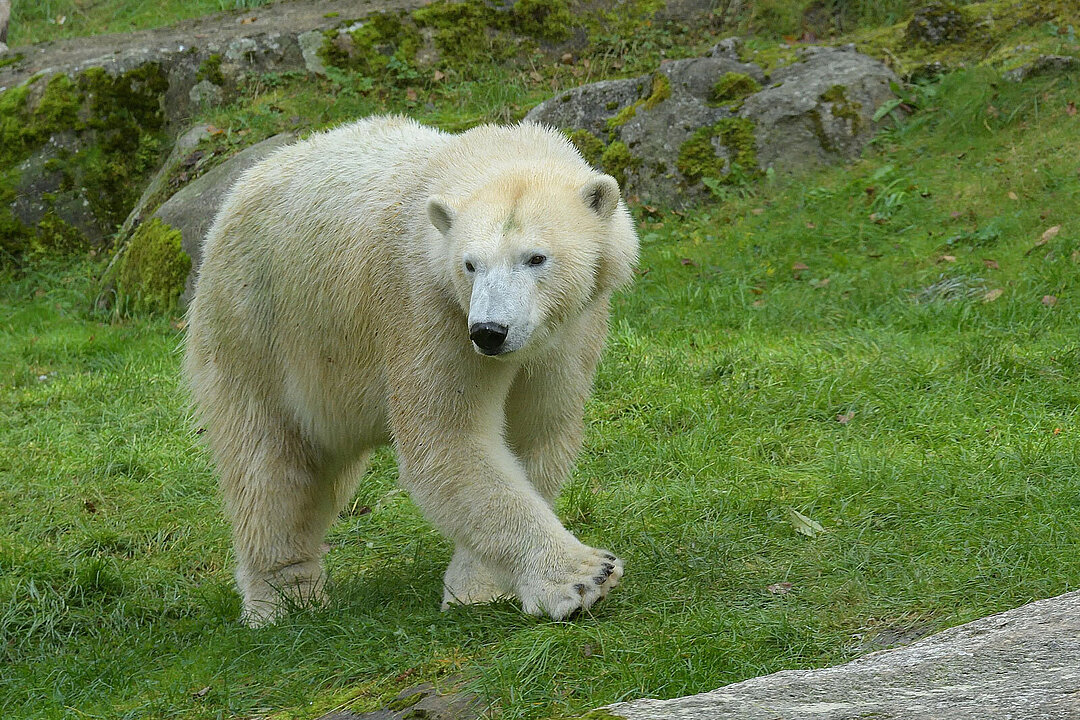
(281, 499)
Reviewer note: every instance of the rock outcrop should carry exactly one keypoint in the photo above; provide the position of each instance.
(1023, 664)
(700, 123)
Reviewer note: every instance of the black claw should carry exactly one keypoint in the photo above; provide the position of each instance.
(609, 556)
(608, 568)
(580, 589)
(600, 579)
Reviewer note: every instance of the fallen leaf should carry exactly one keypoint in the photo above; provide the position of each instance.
(845, 418)
(780, 588)
(587, 650)
(993, 295)
(1049, 300)
(536, 76)
(820, 283)
(947, 258)
(89, 506)
(438, 76)
(248, 20)
(1075, 256)
(1057, 431)
(810, 226)
(201, 693)
(804, 525)
(757, 290)
(1050, 233)
(1013, 196)
(1070, 109)
(688, 262)
(411, 94)
(757, 211)
(991, 264)
(567, 58)
(758, 303)
(800, 266)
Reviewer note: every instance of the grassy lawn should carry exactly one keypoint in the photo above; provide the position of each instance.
(889, 349)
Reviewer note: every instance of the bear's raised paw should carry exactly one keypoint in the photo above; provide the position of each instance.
(586, 577)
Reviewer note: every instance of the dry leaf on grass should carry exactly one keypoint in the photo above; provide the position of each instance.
(993, 295)
(804, 525)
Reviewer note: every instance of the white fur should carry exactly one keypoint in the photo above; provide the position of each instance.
(332, 316)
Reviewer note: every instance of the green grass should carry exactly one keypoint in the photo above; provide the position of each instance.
(948, 493)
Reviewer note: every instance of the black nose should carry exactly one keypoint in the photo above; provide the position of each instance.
(488, 336)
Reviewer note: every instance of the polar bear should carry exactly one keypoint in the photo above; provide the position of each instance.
(386, 282)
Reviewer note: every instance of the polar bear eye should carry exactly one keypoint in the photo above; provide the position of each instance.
(537, 260)
(469, 267)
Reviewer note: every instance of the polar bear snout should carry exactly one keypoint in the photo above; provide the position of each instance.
(488, 336)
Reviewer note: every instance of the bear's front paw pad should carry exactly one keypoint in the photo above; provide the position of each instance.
(577, 585)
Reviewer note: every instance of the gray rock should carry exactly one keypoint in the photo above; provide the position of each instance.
(817, 110)
(1023, 664)
(423, 701)
(310, 44)
(192, 210)
(205, 94)
(157, 190)
(1043, 65)
(801, 119)
(589, 107)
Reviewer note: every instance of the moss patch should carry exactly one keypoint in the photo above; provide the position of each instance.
(590, 146)
(698, 156)
(153, 269)
(658, 93)
(616, 161)
(546, 20)
(210, 69)
(843, 107)
(732, 88)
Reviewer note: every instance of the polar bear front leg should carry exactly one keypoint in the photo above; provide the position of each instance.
(459, 470)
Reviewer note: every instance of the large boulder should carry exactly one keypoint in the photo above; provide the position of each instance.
(1023, 664)
(192, 210)
(697, 124)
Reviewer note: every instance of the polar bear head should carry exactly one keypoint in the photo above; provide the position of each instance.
(529, 251)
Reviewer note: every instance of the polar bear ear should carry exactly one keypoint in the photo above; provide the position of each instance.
(440, 213)
(601, 195)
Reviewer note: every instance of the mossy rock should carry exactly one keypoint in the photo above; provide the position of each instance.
(659, 91)
(152, 270)
(731, 88)
(938, 23)
(698, 157)
(843, 107)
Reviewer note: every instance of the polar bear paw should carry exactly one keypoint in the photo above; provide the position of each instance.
(585, 577)
(267, 597)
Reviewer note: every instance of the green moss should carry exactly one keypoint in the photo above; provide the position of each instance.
(16, 58)
(546, 20)
(842, 107)
(732, 88)
(658, 93)
(210, 69)
(381, 48)
(153, 269)
(698, 157)
(54, 236)
(590, 146)
(466, 33)
(616, 161)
